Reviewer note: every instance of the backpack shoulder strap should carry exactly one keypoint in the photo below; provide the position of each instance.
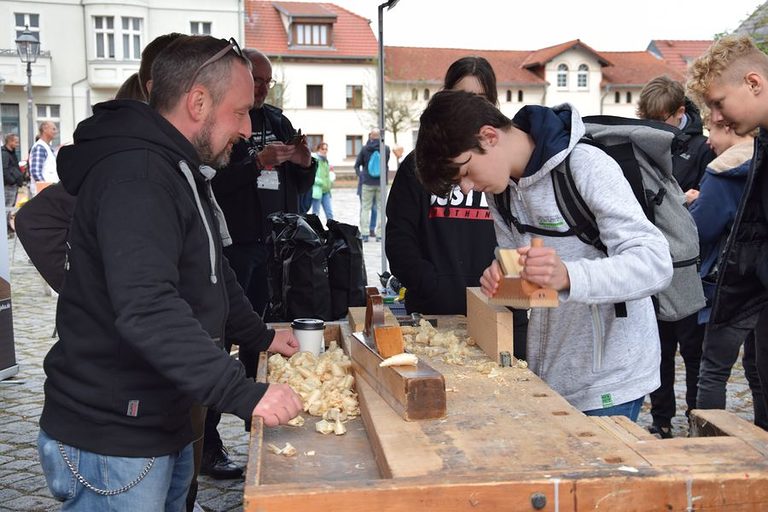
(572, 206)
(505, 210)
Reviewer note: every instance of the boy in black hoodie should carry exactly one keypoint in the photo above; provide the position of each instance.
(148, 296)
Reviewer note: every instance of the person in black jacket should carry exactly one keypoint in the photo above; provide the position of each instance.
(438, 246)
(731, 79)
(13, 178)
(663, 99)
(267, 174)
(148, 296)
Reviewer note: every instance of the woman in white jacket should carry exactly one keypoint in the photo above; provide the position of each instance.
(603, 364)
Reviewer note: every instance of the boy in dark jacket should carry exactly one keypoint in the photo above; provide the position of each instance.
(714, 210)
(148, 296)
(731, 78)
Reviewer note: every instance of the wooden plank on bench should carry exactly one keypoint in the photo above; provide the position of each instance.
(716, 422)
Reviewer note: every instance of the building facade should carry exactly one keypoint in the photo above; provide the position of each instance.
(88, 48)
(325, 63)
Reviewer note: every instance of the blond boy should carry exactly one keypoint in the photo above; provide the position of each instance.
(731, 79)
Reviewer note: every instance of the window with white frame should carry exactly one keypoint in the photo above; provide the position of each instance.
(131, 38)
(311, 34)
(50, 113)
(562, 75)
(104, 29)
(27, 21)
(582, 79)
(200, 28)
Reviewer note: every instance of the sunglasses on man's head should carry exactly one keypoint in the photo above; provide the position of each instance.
(231, 45)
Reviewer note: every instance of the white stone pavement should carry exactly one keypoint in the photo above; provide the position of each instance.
(22, 486)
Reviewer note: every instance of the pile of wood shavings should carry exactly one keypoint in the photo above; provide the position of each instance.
(325, 384)
(458, 350)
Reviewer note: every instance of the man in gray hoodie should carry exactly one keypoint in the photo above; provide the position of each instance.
(602, 362)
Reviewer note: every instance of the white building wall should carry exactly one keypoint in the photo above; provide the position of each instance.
(72, 77)
(54, 77)
(334, 121)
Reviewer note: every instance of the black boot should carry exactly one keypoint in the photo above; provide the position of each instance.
(217, 464)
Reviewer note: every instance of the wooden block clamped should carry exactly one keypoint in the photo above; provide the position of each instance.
(515, 291)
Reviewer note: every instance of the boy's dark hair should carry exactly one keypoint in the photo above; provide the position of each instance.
(178, 63)
(448, 127)
(660, 98)
(148, 55)
(478, 67)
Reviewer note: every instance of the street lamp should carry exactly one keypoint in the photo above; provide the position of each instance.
(382, 130)
(28, 48)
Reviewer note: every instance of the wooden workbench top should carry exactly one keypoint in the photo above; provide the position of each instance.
(506, 437)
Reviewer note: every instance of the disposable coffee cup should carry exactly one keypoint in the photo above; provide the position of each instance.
(309, 333)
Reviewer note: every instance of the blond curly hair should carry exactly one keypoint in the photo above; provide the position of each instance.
(730, 58)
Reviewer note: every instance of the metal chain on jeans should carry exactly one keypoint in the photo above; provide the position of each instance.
(80, 478)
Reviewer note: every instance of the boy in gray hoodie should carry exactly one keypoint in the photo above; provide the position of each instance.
(601, 361)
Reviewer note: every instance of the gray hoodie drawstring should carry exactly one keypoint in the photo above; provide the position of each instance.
(185, 170)
(209, 173)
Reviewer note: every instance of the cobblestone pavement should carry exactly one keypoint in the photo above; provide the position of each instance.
(22, 486)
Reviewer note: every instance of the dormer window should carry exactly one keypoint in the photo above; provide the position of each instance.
(312, 34)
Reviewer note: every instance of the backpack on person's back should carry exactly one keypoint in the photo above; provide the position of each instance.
(374, 164)
(643, 149)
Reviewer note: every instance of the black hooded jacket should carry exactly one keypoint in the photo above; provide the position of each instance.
(147, 295)
(742, 285)
(689, 163)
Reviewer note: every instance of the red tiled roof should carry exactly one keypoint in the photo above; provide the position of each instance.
(678, 53)
(409, 64)
(264, 30)
(541, 57)
(636, 68)
(303, 10)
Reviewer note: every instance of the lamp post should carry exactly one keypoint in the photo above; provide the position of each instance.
(28, 48)
(382, 130)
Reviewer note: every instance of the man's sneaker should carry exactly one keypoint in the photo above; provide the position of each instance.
(662, 432)
(219, 466)
(378, 239)
(365, 238)
(372, 233)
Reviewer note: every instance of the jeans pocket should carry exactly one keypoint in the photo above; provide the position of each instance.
(61, 482)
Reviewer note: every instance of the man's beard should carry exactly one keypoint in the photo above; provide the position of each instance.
(202, 143)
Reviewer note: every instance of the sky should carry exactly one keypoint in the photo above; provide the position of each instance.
(605, 25)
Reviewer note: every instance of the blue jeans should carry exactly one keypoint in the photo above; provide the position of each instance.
(163, 488)
(629, 409)
(326, 202)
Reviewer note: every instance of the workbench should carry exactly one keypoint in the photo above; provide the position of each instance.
(507, 442)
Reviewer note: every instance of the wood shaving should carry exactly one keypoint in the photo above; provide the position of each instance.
(287, 451)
